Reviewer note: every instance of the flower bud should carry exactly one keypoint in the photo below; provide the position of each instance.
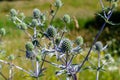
(13, 12)
(98, 46)
(65, 45)
(22, 26)
(39, 35)
(66, 18)
(22, 15)
(11, 57)
(38, 58)
(34, 23)
(51, 31)
(29, 46)
(114, 4)
(30, 55)
(79, 40)
(57, 41)
(36, 13)
(58, 3)
(2, 32)
(109, 58)
(35, 42)
(42, 17)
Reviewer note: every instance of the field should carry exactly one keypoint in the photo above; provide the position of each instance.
(14, 40)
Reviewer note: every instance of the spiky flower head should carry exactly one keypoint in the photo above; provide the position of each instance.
(66, 18)
(34, 23)
(107, 56)
(58, 3)
(13, 12)
(29, 46)
(65, 45)
(22, 26)
(79, 40)
(51, 31)
(57, 41)
(36, 13)
(2, 32)
(98, 46)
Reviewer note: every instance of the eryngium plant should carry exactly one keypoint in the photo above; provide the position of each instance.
(63, 49)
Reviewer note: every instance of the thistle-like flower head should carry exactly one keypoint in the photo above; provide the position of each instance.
(51, 31)
(66, 18)
(13, 12)
(98, 46)
(79, 40)
(34, 23)
(58, 3)
(65, 45)
(36, 13)
(29, 46)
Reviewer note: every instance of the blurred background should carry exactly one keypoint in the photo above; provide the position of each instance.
(89, 24)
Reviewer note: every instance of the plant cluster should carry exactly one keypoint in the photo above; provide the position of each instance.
(49, 41)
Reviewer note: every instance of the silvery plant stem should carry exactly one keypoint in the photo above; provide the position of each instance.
(74, 77)
(68, 78)
(10, 72)
(5, 62)
(98, 70)
(97, 36)
(37, 63)
(37, 68)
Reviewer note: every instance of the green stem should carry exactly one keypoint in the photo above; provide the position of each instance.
(54, 16)
(3, 76)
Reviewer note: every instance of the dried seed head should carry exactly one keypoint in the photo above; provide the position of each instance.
(29, 46)
(98, 46)
(51, 31)
(36, 13)
(34, 23)
(66, 18)
(79, 40)
(58, 3)
(65, 45)
(2, 32)
(13, 12)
